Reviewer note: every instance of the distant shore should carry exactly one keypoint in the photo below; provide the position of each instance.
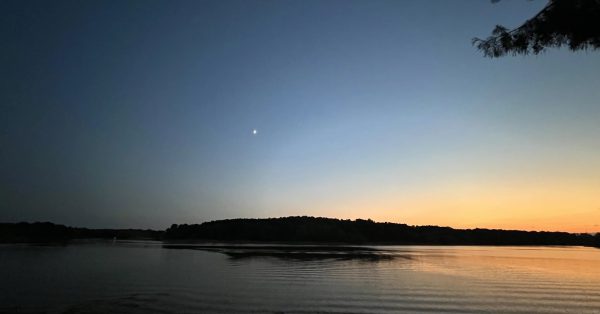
(297, 230)
(43, 232)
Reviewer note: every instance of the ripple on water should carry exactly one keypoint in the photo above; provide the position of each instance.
(152, 279)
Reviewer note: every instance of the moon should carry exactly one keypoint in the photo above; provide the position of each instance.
(254, 131)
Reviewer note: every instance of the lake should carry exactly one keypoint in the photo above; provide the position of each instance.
(147, 277)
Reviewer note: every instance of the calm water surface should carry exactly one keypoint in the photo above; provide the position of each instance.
(145, 277)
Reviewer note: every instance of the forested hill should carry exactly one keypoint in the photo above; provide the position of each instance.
(299, 230)
(328, 230)
(24, 232)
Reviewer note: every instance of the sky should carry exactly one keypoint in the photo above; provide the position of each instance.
(141, 114)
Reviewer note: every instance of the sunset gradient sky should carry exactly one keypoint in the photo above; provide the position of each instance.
(140, 114)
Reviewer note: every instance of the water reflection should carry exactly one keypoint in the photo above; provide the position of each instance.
(152, 278)
(296, 252)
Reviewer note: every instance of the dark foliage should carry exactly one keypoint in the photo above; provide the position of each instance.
(572, 23)
(298, 230)
(327, 230)
(40, 232)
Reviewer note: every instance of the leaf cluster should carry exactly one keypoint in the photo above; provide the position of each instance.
(571, 23)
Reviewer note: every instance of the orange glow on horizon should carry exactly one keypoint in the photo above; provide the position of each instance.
(566, 206)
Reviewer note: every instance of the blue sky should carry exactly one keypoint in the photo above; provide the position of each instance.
(139, 113)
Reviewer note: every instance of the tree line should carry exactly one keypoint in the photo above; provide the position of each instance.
(299, 229)
(24, 232)
(328, 230)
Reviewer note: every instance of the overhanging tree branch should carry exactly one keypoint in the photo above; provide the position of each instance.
(574, 23)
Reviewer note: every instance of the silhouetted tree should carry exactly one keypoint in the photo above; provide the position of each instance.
(328, 230)
(572, 23)
(41, 232)
(299, 230)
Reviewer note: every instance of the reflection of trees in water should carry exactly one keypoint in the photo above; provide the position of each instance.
(297, 252)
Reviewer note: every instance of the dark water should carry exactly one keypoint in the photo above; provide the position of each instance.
(145, 277)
